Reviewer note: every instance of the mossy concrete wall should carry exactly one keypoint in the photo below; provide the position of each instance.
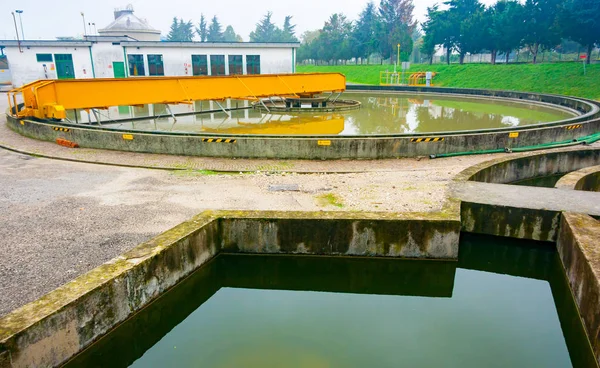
(587, 179)
(48, 331)
(420, 236)
(580, 255)
(531, 165)
(52, 329)
(512, 222)
(307, 147)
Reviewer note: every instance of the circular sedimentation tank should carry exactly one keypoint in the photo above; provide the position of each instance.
(366, 122)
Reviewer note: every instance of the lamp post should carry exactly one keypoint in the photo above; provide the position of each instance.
(17, 31)
(84, 29)
(21, 22)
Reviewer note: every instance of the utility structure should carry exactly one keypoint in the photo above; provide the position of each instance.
(50, 99)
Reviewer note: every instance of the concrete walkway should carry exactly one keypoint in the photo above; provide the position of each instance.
(517, 196)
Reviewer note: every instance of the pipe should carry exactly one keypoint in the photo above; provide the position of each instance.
(583, 140)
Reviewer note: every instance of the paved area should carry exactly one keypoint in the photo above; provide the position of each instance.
(61, 219)
(528, 197)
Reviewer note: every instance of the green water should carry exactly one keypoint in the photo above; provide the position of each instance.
(504, 304)
(541, 181)
(379, 114)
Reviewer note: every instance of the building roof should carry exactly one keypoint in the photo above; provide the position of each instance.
(127, 41)
(127, 22)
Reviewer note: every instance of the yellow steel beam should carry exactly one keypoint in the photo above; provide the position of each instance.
(51, 98)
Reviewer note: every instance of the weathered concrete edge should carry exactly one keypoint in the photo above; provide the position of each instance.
(63, 322)
(580, 255)
(480, 171)
(408, 235)
(587, 179)
(512, 222)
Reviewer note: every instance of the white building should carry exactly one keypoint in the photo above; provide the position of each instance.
(127, 24)
(122, 57)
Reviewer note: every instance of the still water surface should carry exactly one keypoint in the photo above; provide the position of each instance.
(379, 114)
(504, 304)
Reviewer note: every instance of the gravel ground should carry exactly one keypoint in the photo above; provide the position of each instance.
(60, 219)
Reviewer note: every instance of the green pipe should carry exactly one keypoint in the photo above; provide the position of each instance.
(583, 140)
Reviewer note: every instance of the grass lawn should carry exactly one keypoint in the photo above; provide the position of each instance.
(559, 78)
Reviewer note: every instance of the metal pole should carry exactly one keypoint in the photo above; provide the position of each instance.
(17, 31)
(84, 29)
(21, 22)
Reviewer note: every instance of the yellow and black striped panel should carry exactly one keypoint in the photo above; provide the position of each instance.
(572, 127)
(59, 129)
(218, 140)
(427, 140)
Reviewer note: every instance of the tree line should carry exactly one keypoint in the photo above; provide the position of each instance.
(462, 27)
(467, 26)
(378, 30)
(265, 31)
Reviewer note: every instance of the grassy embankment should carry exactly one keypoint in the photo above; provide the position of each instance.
(560, 78)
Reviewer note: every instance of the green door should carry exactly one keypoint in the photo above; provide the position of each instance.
(64, 66)
(119, 69)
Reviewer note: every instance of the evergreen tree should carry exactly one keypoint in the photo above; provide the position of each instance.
(181, 31)
(201, 30)
(266, 30)
(505, 19)
(174, 32)
(467, 26)
(215, 34)
(365, 32)
(288, 31)
(432, 34)
(540, 28)
(230, 36)
(334, 40)
(396, 27)
(581, 23)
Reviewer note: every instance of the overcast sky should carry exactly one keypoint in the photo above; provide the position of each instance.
(48, 19)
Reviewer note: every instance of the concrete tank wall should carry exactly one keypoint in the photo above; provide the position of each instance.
(578, 249)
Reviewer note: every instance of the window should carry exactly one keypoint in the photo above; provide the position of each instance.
(155, 65)
(46, 58)
(217, 64)
(199, 65)
(253, 64)
(236, 66)
(136, 64)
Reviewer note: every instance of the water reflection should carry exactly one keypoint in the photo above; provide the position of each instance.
(380, 114)
(506, 303)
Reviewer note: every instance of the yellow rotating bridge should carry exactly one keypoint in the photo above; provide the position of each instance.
(49, 99)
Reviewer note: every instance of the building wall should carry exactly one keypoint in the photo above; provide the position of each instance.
(105, 53)
(177, 60)
(25, 68)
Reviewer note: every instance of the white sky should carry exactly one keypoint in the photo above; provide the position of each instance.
(48, 19)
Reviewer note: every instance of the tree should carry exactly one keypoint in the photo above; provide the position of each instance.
(365, 32)
(432, 35)
(540, 25)
(201, 30)
(440, 29)
(467, 22)
(396, 27)
(288, 32)
(214, 31)
(581, 23)
(505, 32)
(266, 30)
(334, 41)
(230, 36)
(181, 31)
